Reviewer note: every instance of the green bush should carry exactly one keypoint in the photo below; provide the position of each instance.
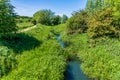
(7, 17)
(101, 25)
(7, 61)
(78, 22)
(55, 20)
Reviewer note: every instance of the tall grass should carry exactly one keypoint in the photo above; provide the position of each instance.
(44, 62)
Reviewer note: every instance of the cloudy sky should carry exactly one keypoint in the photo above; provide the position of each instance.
(60, 7)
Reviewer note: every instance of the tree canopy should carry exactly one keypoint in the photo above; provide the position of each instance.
(7, 17)
(43, 16)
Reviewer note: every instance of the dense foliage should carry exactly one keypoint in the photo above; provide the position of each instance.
(7, 61)
(78, 22)
(101, 61)
(7, 17)
(39, 60)
(103, 19)
(24, 22)
(41, 57)
(64, 19)
(101, 25)
(46, 17)
(55, 20)
(98, 63)
(21, 19)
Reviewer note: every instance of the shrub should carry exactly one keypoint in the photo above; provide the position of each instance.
(56, 20)
(78, 22)
(101, 25)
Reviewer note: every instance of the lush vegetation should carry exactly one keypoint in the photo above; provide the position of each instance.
(90, 36)
(32, 64)
(24, 25)
(47, 17)
(64, 19)
(100, 62)
(24, 22)
(98, 48)
(78, 22)
(7, 61)
(7, 17)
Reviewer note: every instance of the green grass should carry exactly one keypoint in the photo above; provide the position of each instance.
(101, 62)
(24, 25)
(45, 61)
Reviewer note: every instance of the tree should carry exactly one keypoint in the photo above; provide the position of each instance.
(64, 19)
(78, 22)
(43, 16)
(56, 20)
(115, 5)
(104, 19)
(101, 25)
(7, 17)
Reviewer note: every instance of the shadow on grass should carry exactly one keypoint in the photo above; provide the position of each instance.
(20, 42)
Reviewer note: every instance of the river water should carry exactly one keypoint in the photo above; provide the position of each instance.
(59, 41)
(74, 71)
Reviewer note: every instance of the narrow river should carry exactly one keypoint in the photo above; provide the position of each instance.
(74, 71)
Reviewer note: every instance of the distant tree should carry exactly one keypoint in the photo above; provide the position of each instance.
(7, 17)
(56, 20)
(64, 19)
(43, 16)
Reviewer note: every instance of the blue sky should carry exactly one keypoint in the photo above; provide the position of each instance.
(60, 7)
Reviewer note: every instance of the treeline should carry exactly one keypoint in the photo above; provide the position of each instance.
(100, 19)
(47, 17)
(21, 19)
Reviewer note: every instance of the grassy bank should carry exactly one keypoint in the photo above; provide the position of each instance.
(44, 61)
(101, 62)
(40, 56)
